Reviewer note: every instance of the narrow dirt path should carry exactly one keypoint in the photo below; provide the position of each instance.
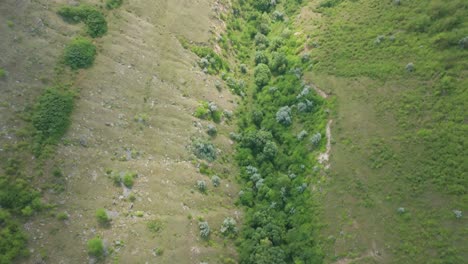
(324, 157)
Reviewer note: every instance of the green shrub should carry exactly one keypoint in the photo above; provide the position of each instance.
(215, 180)
(112, 4)
(94, 19)
(80, 53)
(2, 73)
(261, 57)
(62, 216)
(16, 195)
(128, 179)
(263, 5)
(154, 226)
(204, 150)
(102, 217)
(51, 117)
(201, 186)
(202, 111)
(96, 247)
(210, 60)
(204, 229)
(279, 63)
(229, 227)
(262, 75)
(12, 239)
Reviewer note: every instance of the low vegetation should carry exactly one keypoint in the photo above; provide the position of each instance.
(12, 239)
(96, 25)
(80, 53)
(281, 220)
(102, 217)
(51, 117)
(96, 247)
(112, 4)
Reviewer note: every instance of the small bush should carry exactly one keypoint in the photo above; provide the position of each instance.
(158, 251)
(261, 41)
(211, 130)
(243, 68)
(215, 180)
(262, 75)
(62, 216)
(128, 179)
(229, 226)
(305, 106)
(283, 116)
(278, 16)
(316, 139)
(204, 229)
(2, 73)
(303, 134)
(212, 62)
(96, 247)
(409, 67)
(112, 4)
(102, 217)
(261, 57)
(94, 19)
(204, 150)
(52, 115)
(12, 239)
(463, 43)
(16, 195)
(201, 186)
(279, 63)
(154, 226)
(80, 53)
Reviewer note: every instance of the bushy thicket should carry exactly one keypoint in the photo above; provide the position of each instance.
(112, 4)
(80, 53)
(94, 19)
(262, 75)
(209, 60)
(281, 219)
(17, 198)
(51, 116)
(12, 239)
(208, 111)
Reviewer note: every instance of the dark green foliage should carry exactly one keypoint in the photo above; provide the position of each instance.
(52, 115)
(263, 5)
(80, 53)
(112, 4)
(12, 238)
(280, 224)
(16, 195)
(2, 73)
(329, 3)
(96, 247)
(262, 75)
(261, 57)
(94, 19)
(214, 62)
(279, 63)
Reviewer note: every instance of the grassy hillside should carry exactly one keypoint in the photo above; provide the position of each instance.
(398, 70)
